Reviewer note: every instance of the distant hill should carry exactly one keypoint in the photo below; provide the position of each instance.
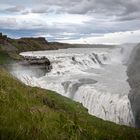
(34, 44)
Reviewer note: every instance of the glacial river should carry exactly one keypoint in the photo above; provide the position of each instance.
(95, 77)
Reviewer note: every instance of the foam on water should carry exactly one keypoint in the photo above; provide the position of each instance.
(94, 77)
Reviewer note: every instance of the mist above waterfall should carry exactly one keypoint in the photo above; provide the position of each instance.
(95, 77)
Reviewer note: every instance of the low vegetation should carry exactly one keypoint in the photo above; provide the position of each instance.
(4, 57)
(33, 113)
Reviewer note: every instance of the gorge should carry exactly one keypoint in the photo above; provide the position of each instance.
(95, 77)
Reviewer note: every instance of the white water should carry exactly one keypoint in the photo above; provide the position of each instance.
(94, 77)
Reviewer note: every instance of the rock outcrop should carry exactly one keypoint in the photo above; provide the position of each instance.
(134, 81)
(38, 61)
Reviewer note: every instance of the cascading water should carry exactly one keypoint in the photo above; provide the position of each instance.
(95, 77)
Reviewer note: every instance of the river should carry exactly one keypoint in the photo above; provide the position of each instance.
(95, 77)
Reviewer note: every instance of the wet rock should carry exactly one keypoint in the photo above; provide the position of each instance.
(39, 61)
(87, 81)
(133, 72)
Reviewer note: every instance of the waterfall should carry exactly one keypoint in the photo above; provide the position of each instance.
(95, 77)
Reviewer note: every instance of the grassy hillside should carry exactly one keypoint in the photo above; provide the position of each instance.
(4, 57)
(33, 113)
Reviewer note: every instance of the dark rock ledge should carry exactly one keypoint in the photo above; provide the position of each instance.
(43, 61)
(133, 72)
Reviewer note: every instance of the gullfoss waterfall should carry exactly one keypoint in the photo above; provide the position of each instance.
(95, 77)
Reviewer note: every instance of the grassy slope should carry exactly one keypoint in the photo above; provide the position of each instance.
(30, 44)
(33, 113)
(3, 57)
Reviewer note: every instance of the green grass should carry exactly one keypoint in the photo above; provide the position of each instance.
(28, 113)
(27, 45)
(4, 57)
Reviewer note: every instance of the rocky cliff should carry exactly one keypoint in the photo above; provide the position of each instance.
(134, 81)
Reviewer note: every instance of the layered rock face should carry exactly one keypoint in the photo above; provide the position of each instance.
(134, 81)
(38, 61)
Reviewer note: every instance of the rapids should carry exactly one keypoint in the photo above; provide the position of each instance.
(95, 77)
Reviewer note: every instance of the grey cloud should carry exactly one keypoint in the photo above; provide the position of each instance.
(8, 23)
(25, 12)
(15, 9)
(107, 16)
(129, 17)
(118, 8)
(40, 10)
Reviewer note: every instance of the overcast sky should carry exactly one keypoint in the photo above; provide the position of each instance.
(73, 21)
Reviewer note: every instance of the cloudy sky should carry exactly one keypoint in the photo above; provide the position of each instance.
(73, 21)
